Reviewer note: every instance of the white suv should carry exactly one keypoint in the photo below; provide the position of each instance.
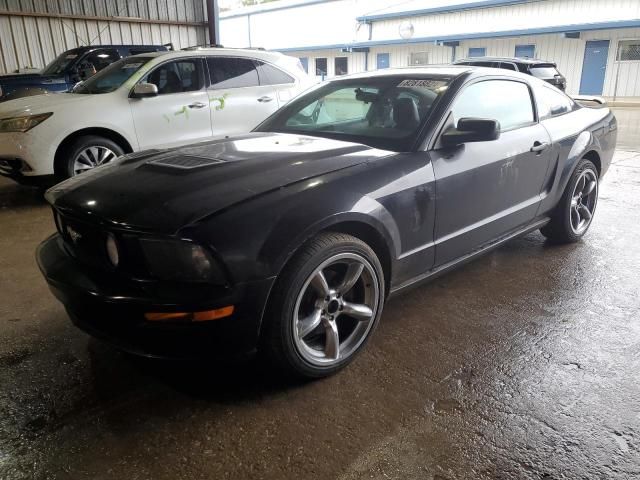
(154, 100)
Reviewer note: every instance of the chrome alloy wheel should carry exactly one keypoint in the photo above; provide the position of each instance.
(583, 201)
(92, 157)
(335, 309)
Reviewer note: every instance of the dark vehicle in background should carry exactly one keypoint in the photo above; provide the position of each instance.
(289, 239)
(541, 69)
(69, 68)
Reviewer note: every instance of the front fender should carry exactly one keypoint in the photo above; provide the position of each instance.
(278, 249)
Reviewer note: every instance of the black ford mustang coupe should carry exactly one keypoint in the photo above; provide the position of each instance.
(288, 240)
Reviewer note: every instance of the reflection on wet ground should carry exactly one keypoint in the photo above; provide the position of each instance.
(523, 364)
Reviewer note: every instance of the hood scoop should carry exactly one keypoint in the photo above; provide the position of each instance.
(183, 162)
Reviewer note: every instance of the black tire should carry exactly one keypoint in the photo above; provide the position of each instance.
(277, 341)
(560, 229)
(65, 169)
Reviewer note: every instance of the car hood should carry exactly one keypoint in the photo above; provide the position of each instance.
(42, 103)
(163, 191)
(24, 78)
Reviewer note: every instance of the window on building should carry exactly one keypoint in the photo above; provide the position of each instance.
(178, 76)
(552, 102)
(525, 51)
(228, 72)
(321, 67)
(341, 65)
(382, 61)
(304, 61)
(477, 52)
(628, 50)
(418, 58)
(270, 75)
(508, 102)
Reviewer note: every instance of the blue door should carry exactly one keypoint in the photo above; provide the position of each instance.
(594, 67)
(382, 61)
(525, 51)
(304, 61)
(477, 52)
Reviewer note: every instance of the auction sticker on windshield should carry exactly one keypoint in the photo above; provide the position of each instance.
(424, 83)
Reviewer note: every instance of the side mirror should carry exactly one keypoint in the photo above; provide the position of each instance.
(471, 130)
(144, 90)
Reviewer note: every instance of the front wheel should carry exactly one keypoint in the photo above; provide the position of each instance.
(87, 152)
(573, 215)
(325, 305)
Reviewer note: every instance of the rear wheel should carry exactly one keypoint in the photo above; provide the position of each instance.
(87, 152)
(325, 305)
(573, 215)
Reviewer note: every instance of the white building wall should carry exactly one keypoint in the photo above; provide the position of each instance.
(327, 23)
(333, 22)
(537, 14)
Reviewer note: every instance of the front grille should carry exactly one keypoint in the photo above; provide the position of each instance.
(86, 242)
(83, 241)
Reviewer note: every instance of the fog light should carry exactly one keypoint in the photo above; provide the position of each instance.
(112, 250)
(204, 316)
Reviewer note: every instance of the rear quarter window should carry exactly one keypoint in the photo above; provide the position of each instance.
(544, 71)
(270, 75)
(552, 102)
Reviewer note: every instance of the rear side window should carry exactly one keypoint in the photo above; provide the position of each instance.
(228, 72)
(508, 66)
(101, 58)
(544, 71)
(270, 75)
(551, 102)
(138, 51)
(508, 102)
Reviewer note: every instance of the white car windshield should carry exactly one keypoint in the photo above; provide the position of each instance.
(112, 77)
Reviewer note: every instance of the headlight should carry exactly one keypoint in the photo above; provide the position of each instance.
(22, 124)
(112, 250)
(181, 261)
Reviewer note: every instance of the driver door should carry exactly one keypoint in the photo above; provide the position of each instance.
(488, 189)
(179, 114)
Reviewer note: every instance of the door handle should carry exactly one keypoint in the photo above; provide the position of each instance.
(539, 147)
(198, 105)
(265, 99)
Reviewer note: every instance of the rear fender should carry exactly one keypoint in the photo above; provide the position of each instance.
(584, 143)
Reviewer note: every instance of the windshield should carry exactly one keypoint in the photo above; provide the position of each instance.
(385, 112)
(60, 64)
(544, 71)
(112, 77)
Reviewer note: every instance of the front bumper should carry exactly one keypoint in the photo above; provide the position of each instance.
(111, 308)
(24, 156)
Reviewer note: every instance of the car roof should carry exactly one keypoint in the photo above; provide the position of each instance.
(215, 51)
(94, 47)
(440, 70)
(450, 71)
(528, 61)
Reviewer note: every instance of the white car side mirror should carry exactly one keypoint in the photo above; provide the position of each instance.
(145, 90)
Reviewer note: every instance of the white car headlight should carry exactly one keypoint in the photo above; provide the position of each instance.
(22, 124)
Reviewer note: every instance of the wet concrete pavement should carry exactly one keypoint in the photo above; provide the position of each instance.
(522, 364)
